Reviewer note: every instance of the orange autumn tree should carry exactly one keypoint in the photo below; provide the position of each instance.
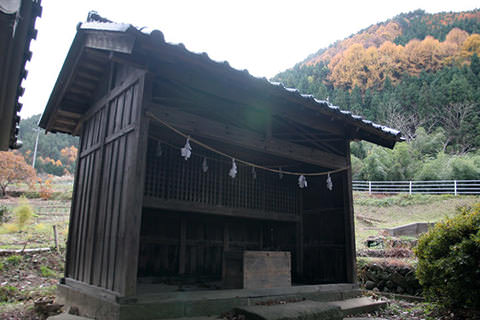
(69, 154)
(13, 169)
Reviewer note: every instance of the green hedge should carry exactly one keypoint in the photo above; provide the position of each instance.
(449, 260)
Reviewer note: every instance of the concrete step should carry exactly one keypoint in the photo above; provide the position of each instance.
(359, 305)
(308, 309)
(67, 316)
(292, 311)
(195, 318)
(365, 319)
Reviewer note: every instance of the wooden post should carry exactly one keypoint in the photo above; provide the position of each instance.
(350, 251)
(226, 237)
(55, 237)
(410, 188)
(183, 247)
(369, 187)
(455, 187)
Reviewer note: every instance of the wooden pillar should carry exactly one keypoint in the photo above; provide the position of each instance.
(350, 251)
(183, 246)
(300, 237)
(136, 176)
(226, 236)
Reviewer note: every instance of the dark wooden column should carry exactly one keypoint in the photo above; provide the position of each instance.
(108, 195)
(136, 183)
(350, 251)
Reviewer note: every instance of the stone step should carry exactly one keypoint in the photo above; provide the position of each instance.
(67, 316)
(195, 318)
(359, 305)
(308, 309)
(292, 311)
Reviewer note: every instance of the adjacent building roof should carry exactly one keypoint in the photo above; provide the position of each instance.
(63, 114)
(17, 29)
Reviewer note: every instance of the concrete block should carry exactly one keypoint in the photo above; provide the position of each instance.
(411, 230)
(358, 305)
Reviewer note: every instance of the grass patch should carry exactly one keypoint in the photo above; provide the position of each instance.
(9, 228)
(374, 213)
(401, 200)
(14, 260)
(47, 272)
(7, 293)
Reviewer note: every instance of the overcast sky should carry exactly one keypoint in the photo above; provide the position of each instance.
(265, 37)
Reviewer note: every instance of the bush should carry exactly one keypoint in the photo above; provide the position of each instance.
(23, 213)
(448, 257)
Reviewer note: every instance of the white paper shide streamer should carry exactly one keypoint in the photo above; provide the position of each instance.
(186, 151)
(204, 165)
(302, 181)
(233, 171)
(329, 183)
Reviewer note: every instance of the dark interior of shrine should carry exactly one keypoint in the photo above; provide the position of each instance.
(194, 212)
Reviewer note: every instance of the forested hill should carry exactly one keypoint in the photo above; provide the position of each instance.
(414, 70)
(56, 153)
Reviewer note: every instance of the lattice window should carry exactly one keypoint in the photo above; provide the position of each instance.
(169, 176)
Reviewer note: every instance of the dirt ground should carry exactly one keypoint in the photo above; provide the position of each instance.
(25, 279)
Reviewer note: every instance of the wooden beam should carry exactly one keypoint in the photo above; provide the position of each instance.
(69, 114)
(112, 41)
(203, 127)
(66, 81)
(189, 206)
(67, 122)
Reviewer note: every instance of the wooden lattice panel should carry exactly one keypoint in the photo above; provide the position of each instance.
(170, 177)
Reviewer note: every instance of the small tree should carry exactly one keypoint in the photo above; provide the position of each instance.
(23, 213)
(13, 168)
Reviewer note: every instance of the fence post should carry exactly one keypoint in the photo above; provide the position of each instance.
(455, 187)
(55, 236)
(410, 188)
(369, 187)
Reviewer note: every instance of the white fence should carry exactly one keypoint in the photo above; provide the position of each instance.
(455, 187)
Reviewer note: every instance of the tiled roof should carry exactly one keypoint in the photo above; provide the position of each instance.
(335, 111)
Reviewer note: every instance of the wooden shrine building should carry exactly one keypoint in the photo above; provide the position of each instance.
(146, 220)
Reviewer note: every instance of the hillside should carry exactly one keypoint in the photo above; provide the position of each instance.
(56, 153)
(416, 69)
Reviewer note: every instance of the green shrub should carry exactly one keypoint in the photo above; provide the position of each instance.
(23, 213)
(448, 260)
(1, 266)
